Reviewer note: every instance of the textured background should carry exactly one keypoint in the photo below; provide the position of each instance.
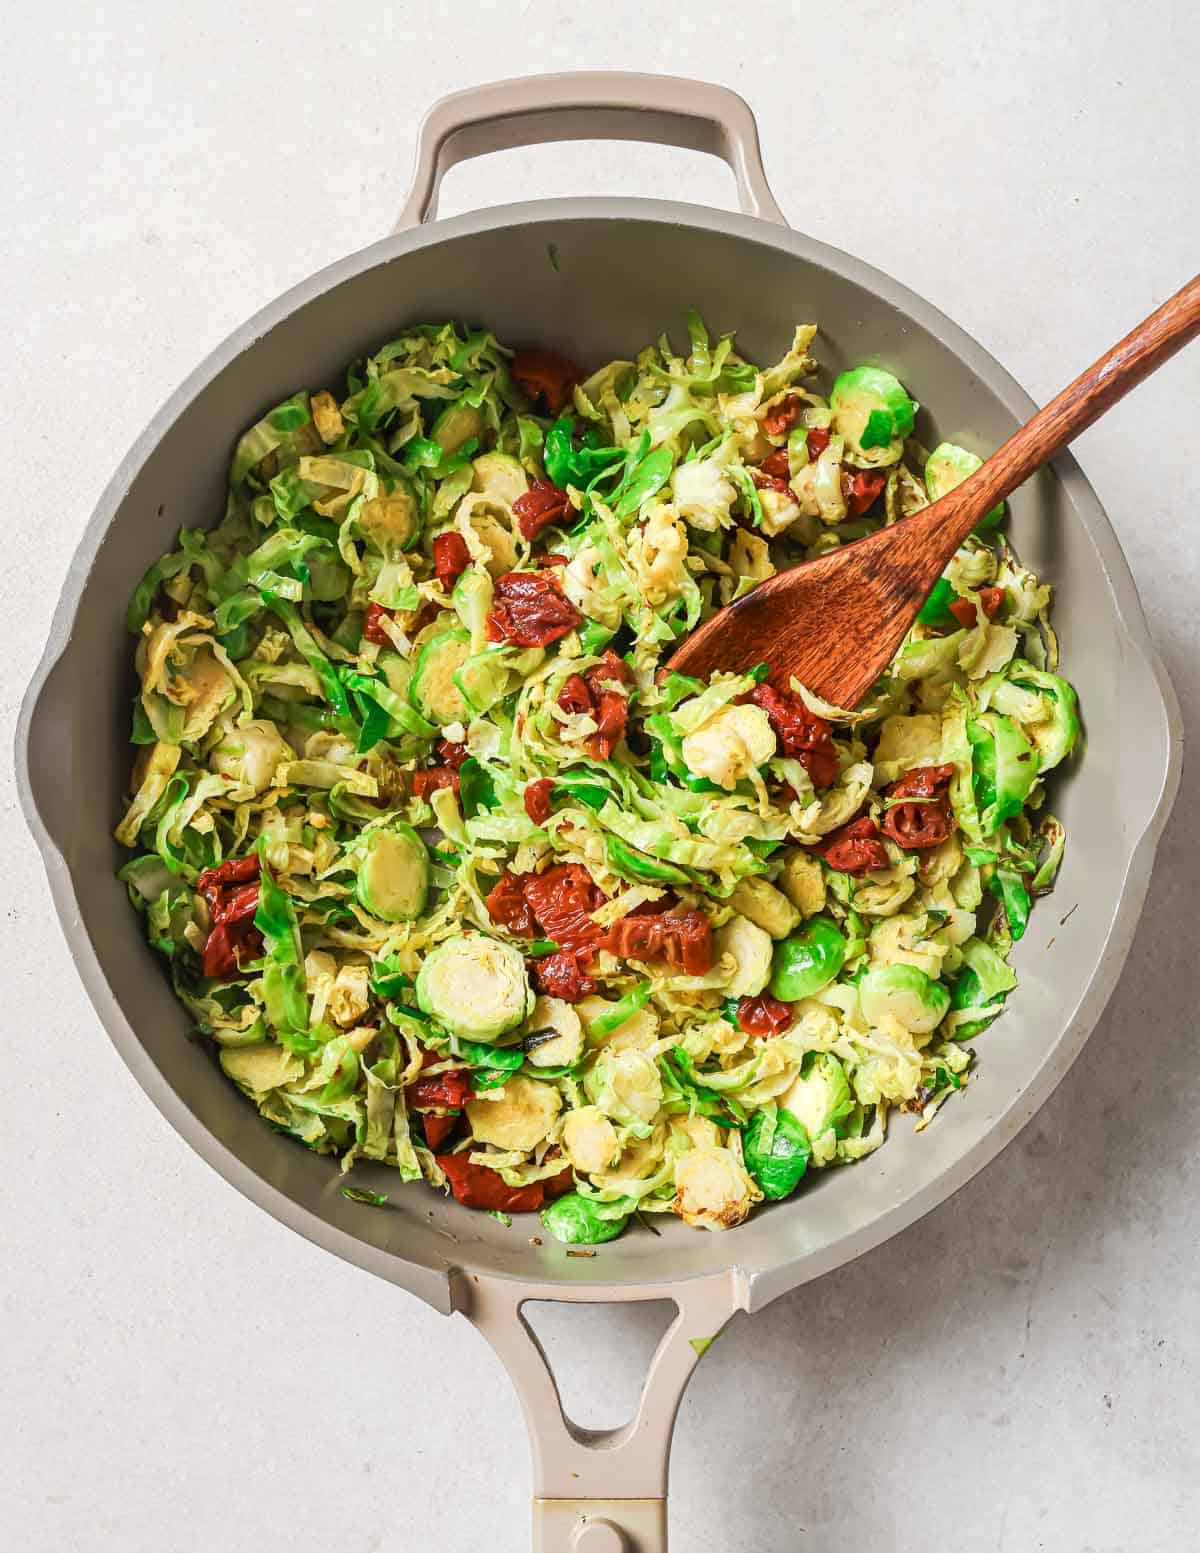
(1018, 1371)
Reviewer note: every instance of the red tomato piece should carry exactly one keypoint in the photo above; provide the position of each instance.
(563, 975)
(546, 375)
(922, 782)
(768, 482)
(475, 1186)
(447, 1091)
(781, 417)
(236, 871)
(373, 630)
(763, 1016)
(537, 799)
(433, 778)
(855, 848)
(963, 610)
(926, 818)
(575, 695)
(562, 899)
(861, 489)
(231, 891)
(609, 707)
(507, 906)
(684, 942)
(438, 1129)
(541, 505)
(776, 465)
(552, 558)
(817, 441)
(530, 609)
(802, 735)
(450, 558)
(452, 755)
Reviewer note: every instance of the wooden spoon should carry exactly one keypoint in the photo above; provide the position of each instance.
(835, 622)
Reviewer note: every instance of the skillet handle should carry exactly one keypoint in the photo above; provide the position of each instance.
(589, 105)
(599, 1491)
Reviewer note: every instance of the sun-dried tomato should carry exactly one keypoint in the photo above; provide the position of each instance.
(563, 899)
(530, 609)
(766, 482)
(763, 1016)
(802, 735)
(611, 714)
(547, 375)
(817, 441)
(575, 695)
(452, 755)
(238, 870)
(861, 489)
(609, 707)
(562, 975)
(684, 942)
(963, 610)
(537, 799)
(507, 906)
(451, 557)
(477, 1186)
(426, 615)
(557, 1186)
(551, 558)
(783, 416)
(541, 505)
(373, 630)
(438, 1128)
(855, 848)
(922, 782)
(432, 779)
(447, 1091)
(776, 465)
(228, 945)
(231, 890)
(925, 818)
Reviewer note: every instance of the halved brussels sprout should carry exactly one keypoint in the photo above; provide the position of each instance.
(554, 1037)
(807, 960)
(730, 745)
(590, 1140)
(393, 874)
(713, 1189)
(580, 1221)
(820, 1100)
(500, 476)
(627, 1087)
(433, 690)
(765, 906)
(777, 1152)
(903, 993)
(749, 948)
(475, 986)
(250, 753)
(517, 1116)
(874, 414)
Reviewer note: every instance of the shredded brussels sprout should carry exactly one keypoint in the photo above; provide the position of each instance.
(459, 878)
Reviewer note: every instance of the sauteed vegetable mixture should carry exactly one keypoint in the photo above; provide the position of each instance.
(461, 879)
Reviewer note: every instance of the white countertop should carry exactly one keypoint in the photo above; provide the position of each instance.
(1019, 1370)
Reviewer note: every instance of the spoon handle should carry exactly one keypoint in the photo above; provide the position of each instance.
(1086, 399)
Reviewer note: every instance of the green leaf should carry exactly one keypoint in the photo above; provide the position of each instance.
(360, 1194)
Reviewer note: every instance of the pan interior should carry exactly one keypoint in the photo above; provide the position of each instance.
(599, 286)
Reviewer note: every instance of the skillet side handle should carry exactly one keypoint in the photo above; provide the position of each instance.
(589, 105)
(599, 1491)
